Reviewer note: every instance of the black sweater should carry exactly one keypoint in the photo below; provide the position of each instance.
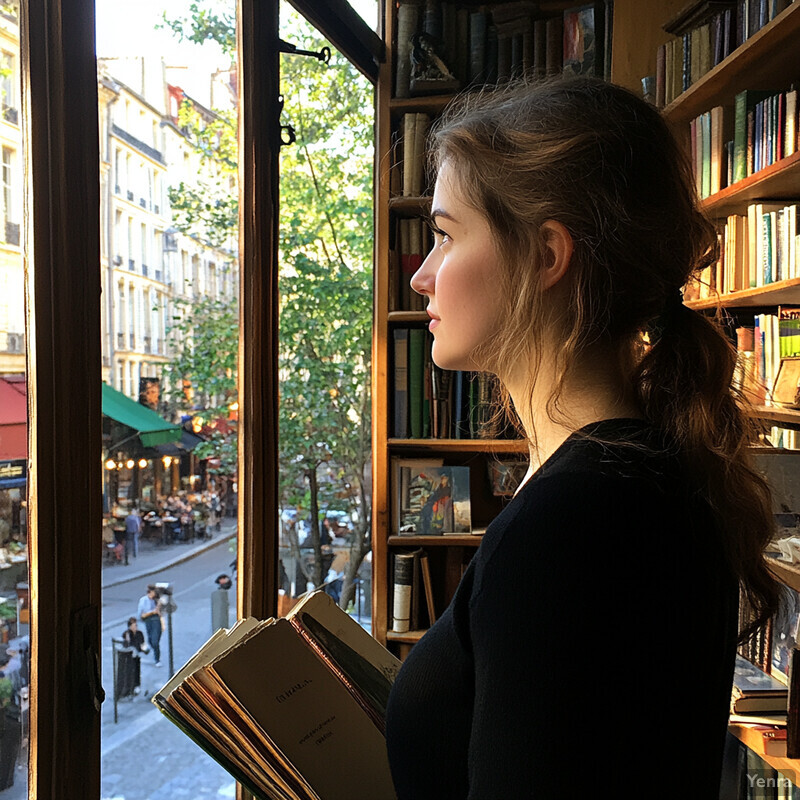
(590, 642)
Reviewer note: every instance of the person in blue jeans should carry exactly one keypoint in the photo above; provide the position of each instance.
(133, 527)
(150, 613)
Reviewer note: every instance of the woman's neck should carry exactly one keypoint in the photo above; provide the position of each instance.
(599, 390)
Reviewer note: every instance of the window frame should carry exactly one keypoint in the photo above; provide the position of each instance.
(63, 285)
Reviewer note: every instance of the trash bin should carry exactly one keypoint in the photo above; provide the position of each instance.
(126, 672)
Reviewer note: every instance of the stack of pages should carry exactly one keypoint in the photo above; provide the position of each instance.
(293, 708)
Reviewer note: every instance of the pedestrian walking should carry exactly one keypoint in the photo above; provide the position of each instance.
(150, 613)
(133, 527)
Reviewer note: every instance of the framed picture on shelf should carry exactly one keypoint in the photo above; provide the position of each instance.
(433, 500)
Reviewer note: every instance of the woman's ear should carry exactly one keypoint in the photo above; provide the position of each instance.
(558, 255)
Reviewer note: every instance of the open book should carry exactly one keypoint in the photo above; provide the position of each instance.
(293, 708)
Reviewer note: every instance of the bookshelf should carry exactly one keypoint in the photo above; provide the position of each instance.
(764, 62)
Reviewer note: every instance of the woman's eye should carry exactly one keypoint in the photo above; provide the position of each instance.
(440, 236)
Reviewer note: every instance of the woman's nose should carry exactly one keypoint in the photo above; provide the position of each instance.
(423, 280)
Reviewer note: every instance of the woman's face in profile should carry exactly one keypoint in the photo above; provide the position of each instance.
(459, 277)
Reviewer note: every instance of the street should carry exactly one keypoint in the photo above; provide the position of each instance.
(144, 756)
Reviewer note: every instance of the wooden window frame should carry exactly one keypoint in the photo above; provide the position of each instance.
(62, 298)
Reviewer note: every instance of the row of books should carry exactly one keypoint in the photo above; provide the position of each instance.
(756, 249)
(409, 152)
(729, 144)
(706, 33)
(490, 44)
(784, 438)
(432, 403)
(767, 355)
(411, 244)
(747, 776)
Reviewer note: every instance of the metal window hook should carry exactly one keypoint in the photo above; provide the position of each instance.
(287, 132)
(323, 55)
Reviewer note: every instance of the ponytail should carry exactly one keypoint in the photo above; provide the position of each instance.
(684, 382)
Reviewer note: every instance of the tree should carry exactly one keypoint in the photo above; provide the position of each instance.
(325, 282)
(201, 375)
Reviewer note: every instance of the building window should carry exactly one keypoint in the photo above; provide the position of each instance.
(8, 86)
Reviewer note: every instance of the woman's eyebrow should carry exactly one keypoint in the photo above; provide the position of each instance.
(440, 212)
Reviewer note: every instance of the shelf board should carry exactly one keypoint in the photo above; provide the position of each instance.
(752, 738)
(409, 206)
(778, 181)
(779, 293)
(462, 445)
(776, 414)
(411, 637)
(431, 104)
(768, 53)
(460, 540)
(408, 316)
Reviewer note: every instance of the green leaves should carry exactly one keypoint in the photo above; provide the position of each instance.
(325, 282)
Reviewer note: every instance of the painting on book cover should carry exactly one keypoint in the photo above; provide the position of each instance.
(581, 45)
(784, 633)
(435, 500)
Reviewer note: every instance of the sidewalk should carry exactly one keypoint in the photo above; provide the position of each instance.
(155, 557)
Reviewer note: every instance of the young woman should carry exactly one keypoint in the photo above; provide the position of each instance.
(591, 641)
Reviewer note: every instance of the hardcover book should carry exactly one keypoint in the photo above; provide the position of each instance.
(284, 704)
(756, 691)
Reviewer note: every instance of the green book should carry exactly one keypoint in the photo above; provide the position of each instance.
(789, 331)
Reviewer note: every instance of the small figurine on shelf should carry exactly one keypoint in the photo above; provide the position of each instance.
(429, 74)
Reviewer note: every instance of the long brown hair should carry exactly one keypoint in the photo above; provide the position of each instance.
(603, 163)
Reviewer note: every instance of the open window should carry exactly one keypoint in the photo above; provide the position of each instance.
(62, 238)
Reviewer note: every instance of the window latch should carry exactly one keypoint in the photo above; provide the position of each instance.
(287, 132)
(323, 55)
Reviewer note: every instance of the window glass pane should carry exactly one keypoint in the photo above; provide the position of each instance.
(14, 615)
(169, 266)
(368, 11)
(325, 324)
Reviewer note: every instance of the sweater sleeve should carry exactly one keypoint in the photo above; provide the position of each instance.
(581, 619)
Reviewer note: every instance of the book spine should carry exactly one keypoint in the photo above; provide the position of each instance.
(409, 154)
(554, 36)
(401, 383)
(403, 575)
(407, 21)
(793, 715)
(740, 137)
(425, 570)
(416, 343)
(477, 37)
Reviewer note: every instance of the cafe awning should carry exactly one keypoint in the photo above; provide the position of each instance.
(152, 428)
(13, 421)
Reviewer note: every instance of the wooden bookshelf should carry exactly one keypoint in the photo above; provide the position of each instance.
(773, 294)
(752, 738)
(778, 181)
(460, 445)
(409, 206)
(447, 540)
(768, 55)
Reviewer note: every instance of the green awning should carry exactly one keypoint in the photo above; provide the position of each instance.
(151, 428)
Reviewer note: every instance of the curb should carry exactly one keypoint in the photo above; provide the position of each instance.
(172, 560)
